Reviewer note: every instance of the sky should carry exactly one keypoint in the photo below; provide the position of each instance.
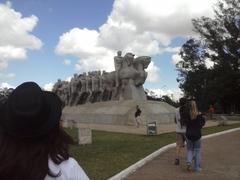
(47, 40)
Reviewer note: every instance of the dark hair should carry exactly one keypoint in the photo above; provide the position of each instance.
(27, 158)
(182, 101)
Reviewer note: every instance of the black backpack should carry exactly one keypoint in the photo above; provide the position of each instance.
(184, 115)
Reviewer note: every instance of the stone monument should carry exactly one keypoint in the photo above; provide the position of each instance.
(125, 83)
(4, 93)
(110, 98)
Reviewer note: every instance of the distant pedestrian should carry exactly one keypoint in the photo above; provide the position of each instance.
(193, 134)
(211, 111)
(180, 120)
(137, 116)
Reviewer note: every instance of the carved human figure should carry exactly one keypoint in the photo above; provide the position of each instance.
(61, 89)
(128, 60)
(95, 91)
(58, 89)
(65, 95)
(83, 91)
(128, 71)
(95, 81)
(75, 85)
(107, 85)
(127, 75)
(56, 86)
(118, 60)
(82, 79)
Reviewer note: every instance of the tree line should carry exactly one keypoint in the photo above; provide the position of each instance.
(210, 67)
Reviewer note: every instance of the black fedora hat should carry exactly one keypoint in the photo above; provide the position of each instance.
(30, 112)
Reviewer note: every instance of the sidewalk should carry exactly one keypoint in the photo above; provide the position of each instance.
(220, 161)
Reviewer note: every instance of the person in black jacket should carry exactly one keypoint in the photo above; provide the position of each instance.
(137, 116)
(193, 134)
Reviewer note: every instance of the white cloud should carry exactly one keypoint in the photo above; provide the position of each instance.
(9, 76)
(80, 42)
(67, 62)
(172, 49)
(144, 27)
(161, 20)
(68, 79)
(174, 93)
(83, 44)
(176, 58)
(16, 35)
(153, 73)
(48, 86)
(209, 63)
(5, 85)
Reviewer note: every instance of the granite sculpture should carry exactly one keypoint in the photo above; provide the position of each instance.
(4, 93)
(125, 83)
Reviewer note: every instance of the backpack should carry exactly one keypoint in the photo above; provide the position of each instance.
(201, 120)
(184, 115)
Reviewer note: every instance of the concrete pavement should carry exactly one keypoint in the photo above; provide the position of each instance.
(220, 161)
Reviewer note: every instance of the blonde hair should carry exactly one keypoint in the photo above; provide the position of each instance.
(193, 110)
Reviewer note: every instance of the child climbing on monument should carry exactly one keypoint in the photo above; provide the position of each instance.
(137, 116)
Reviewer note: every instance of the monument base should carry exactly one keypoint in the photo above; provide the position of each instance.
(118, 113)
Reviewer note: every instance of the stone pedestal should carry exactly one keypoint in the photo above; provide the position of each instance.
(84, 136)
(132, 92)
(120, 113)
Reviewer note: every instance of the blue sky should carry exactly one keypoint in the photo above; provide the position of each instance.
(46, 40)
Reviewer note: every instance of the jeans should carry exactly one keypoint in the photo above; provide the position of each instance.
(193, 152)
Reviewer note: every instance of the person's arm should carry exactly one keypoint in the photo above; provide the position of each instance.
(177, 115)
(201, 120)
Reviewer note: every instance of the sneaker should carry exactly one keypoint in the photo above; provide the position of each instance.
(198, 170)
(189, 168)
(177, 162)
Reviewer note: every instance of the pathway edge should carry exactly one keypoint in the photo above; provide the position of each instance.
(131, 169)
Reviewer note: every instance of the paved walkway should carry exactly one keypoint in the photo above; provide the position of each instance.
(220, 161)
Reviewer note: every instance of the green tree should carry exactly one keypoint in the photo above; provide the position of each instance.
(219, 42)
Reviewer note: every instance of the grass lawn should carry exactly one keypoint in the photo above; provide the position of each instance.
(112, 152)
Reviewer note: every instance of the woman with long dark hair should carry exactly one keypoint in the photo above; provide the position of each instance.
(33, 145)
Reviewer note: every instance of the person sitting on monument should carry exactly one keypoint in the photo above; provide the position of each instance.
(33, 144)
